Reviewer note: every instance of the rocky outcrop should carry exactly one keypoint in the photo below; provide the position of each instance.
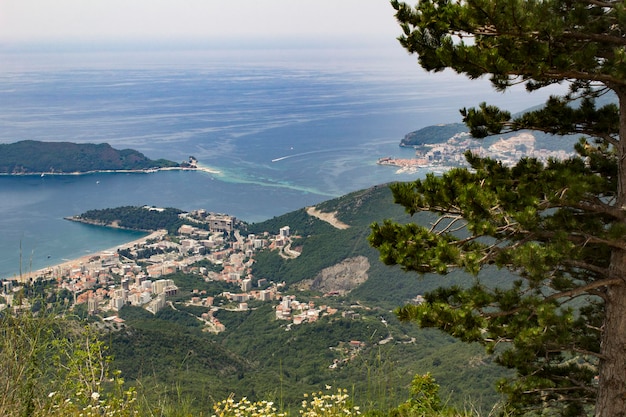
(340, 278)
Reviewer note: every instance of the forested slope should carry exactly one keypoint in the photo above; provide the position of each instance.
(29, 156)
(261, 357)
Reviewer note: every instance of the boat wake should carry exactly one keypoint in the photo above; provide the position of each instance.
(282, 158)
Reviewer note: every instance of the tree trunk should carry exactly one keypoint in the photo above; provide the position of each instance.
(621, 149)
(611, 400)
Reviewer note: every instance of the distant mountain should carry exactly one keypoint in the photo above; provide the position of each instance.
(33, 157)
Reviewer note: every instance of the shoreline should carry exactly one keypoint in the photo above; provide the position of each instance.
(78, 219)
(114, 171)
(50, 271)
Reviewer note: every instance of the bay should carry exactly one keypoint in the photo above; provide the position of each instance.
(283, 130)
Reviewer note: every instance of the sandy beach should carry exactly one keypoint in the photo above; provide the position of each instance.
(75, 263)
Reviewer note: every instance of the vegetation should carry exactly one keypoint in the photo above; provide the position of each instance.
(299, 221)
(135, 218)
(51, 366)
(432, 134)
(263, 358)
(173, 363)
(559, 227)
(29, 156)
(54, 366)
(438, 134)
(319, 405)
(257, 357)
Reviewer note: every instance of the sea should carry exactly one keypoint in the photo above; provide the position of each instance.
(282, 128)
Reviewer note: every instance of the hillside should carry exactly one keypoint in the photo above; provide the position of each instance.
(34, 157)
(432, 134)
(359, 345)
(133, 218)
(439, 134)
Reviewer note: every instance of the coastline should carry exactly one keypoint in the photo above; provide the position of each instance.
(51, 271)
(78, 219)
(115, 171)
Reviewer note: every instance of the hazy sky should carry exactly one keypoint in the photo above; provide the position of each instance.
(139, 20)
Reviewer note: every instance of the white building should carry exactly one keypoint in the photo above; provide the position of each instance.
(246, 285)
(265, 295)
(157, 304)
(116, 303)
(159, 286)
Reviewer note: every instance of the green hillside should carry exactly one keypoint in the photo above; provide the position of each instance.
(29, 156)
(361, 347)
(436, 134)
(432, 134)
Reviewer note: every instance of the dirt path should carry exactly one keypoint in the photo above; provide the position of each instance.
(327, 217)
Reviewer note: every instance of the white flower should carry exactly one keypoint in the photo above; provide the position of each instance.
(95, 396)
(51, 394)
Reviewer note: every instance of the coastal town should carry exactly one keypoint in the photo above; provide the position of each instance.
(208, 246)
(448, 154)
(211, 247)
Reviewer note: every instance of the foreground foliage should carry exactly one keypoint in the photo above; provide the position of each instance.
(54, 366)
(558, 226)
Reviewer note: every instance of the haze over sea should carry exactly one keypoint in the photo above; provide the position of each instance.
(286, 128)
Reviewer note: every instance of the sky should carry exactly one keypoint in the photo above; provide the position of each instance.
(200, 20)
(294, 28)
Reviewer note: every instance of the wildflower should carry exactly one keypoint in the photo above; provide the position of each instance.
(95, 396)
(51, 394)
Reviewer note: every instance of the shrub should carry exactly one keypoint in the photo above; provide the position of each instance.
(316, 405)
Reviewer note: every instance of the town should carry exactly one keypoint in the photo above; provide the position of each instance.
(208, 246)
(449, 154)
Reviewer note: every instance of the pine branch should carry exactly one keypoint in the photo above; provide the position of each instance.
(449, 227)
(563, 294)
(576, 238)
(588, 353)
(603, 4)
(452, 210)
(614, 243)
(596, 206)
(588, 267)
(595, 37)
(605, 137)
(585, 288)
(560, 389)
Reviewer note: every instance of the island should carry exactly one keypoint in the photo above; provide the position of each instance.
(30, 157)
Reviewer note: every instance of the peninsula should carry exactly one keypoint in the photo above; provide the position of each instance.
(31, 157)
(437, 151)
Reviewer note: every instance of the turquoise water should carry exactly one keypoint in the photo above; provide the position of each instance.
(283, 134)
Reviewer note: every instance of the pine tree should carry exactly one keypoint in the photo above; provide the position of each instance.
(558, 226)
